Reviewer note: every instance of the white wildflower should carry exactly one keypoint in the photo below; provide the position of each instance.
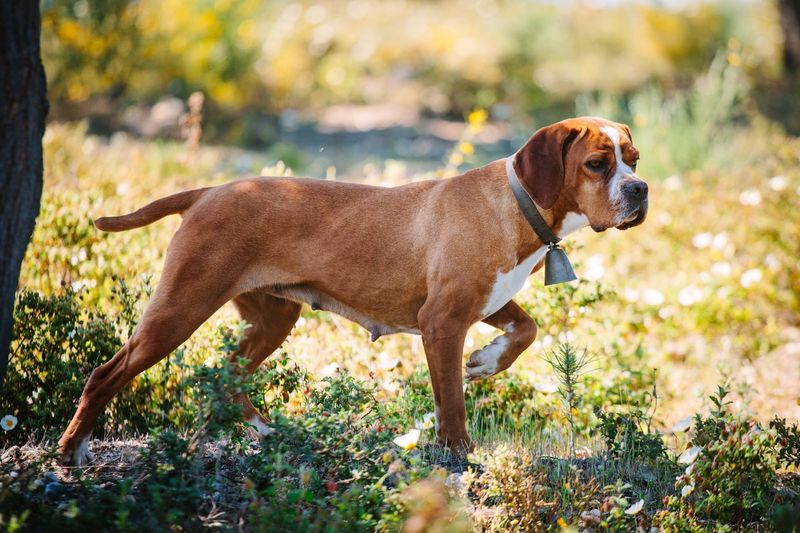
(387, 363)
(630, 295)
(772, 262)
(427, 421)
(721, 269)
(635, 508)
(653, 297)
(702, 240)
(690, 295)
(8, 422)
(389, 385)
(778, 183)
(689, 456)
(687, 490)
(329, 370)
(750, 197)
(750, 277)
(719, 241)
(566, 337)
(409, 440)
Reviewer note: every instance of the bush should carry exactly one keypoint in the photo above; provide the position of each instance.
(732, 474)
(56, 345)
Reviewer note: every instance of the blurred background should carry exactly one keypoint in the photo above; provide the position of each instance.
(368, 81)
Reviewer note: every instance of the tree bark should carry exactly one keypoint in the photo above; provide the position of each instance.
(790, 24)
(23, 107)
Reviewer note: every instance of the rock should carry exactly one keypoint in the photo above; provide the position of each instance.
(53, 490)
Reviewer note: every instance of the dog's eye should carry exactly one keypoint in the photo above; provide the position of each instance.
(633, 165)
(596, 165)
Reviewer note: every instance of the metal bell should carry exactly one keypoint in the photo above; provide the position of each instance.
(557, 268)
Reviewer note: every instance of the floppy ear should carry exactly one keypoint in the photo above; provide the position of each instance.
(628, 131)
(540, 163)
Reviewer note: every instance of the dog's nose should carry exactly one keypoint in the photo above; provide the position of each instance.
(636, 189)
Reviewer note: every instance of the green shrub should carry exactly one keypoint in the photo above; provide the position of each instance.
(731, 479)
(56, 345)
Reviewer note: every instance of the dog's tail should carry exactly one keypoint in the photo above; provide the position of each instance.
(176, 203)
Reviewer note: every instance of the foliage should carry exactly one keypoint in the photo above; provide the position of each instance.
(56, 345)
(626, 439)
(788, 442)
(568, 365)
(300, 55)
(731, 477)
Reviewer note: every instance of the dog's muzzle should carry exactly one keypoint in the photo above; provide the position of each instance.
(636, 204)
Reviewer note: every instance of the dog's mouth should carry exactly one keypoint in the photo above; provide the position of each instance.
(635, 218)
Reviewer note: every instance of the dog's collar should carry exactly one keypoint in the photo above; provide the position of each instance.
(557, 268)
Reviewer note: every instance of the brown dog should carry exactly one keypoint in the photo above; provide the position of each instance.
(430, 258)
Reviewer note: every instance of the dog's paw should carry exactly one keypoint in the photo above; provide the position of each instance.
(78, 456)
(259, 427)
(485, 363)
(482, 363)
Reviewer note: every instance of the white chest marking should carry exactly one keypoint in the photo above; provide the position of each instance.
(507, 284)
(572, 222)
(615, 185)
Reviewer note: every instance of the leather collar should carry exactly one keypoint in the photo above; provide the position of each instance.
(529, 209)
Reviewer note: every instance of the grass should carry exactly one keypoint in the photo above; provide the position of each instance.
(705, 292)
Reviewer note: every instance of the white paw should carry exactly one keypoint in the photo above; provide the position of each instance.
(81, 455)
(484, 363)
(261, 428)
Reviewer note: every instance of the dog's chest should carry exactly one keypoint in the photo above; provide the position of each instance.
(507, 284)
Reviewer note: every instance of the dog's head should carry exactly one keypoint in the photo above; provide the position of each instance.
(588, 164)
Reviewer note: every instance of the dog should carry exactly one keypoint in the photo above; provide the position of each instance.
(428, 258)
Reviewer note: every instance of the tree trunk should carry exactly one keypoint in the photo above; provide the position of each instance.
(23, 107)
(790, 24)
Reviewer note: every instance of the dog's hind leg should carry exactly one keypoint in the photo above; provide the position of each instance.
(271, 320)
(187, 295)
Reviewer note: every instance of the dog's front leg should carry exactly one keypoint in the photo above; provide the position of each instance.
(443, 332)
(520, 331)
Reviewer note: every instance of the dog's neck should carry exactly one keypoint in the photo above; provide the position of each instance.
(563, 218)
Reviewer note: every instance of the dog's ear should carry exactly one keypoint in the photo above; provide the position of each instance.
(628, 131)
(540, 163)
